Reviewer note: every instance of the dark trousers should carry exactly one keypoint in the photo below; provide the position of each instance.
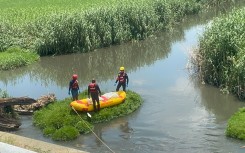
(74, 93)
(95, 99)
(121, 84)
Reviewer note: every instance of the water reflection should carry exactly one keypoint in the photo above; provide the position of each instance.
(103, 64)
(121, 124)
(221, 105)
(51, 74)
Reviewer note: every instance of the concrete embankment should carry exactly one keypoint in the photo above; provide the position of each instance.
(10, 143)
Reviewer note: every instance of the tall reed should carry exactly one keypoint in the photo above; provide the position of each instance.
(83, 31)
(222, 49)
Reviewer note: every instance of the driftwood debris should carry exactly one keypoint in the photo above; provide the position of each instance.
(8, 119)
(16, 101)
(41, 102)
(7, 123)
(22, 105)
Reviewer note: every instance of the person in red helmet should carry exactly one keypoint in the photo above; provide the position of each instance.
(122, 79)
(74, 87)
(94, 92)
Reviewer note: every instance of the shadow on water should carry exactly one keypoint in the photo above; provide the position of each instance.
(55, 72)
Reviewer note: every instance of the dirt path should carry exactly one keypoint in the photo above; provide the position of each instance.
(34, 145)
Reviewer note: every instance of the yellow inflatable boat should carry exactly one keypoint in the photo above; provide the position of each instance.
(106, 100)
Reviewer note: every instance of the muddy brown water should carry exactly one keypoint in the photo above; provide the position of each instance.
(179, 114)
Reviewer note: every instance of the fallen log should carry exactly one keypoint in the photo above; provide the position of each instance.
(16, 101)
(40, 103)
(9, 124)
(22, 105)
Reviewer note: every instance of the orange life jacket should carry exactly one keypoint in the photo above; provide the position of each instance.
(121, 77)
(92, 87)
(75, 85)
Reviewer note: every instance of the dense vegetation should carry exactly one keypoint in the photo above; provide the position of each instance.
(82, 30)
(222, 53)
(221, 63)
(61, 122)
(62, 27)
(236, 125)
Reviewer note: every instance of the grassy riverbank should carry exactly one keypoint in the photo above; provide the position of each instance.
(62, 27)
(15, 57)
(84, 29)
(222, 53)
(220, 61)
(236, 124)
(60, 122)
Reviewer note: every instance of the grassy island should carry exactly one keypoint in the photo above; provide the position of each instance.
(60, 122)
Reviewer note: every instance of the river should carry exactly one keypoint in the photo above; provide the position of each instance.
(179, 113)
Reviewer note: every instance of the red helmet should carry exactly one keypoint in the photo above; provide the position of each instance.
(74, 77)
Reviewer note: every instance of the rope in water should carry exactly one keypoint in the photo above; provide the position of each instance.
(93, 131)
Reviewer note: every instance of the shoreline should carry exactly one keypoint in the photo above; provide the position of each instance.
(23, 143)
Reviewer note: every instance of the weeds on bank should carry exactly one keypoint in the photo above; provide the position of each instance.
(222, 53)
(83, 30)
(220, 62)
(236, 125)
(16, 57)
(60, 122)
(62, 27)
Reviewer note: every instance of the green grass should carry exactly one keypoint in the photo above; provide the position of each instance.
(236, 125)
(16, 57)
(60, 122)
(20, 11)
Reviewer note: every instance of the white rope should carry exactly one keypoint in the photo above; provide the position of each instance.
(93, 132)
